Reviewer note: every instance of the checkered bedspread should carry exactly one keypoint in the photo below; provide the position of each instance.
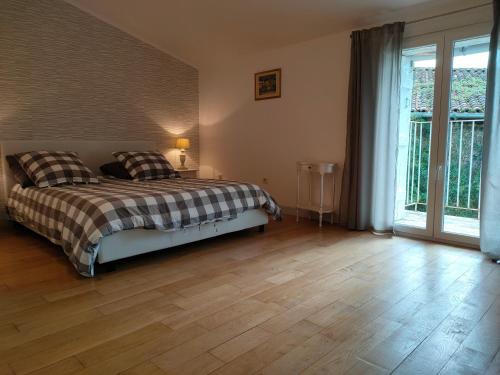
(77, 217)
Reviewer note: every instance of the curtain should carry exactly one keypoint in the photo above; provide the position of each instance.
(369, 176)
(490, 174)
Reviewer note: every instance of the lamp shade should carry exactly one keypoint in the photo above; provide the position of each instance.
(182, 143)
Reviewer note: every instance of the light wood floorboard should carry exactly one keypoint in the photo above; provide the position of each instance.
(295, 299)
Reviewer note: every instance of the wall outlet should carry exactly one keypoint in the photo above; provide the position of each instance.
(220, 177)
(265, 180)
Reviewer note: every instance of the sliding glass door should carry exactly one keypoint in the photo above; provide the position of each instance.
(417, 120)
(461, 147)
(443, 93)
(421, 81)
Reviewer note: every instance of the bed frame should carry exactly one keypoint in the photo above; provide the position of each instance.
(136, 241)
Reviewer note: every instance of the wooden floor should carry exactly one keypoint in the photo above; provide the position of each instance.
(294, 299)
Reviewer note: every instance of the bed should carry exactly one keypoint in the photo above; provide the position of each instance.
(117, 219)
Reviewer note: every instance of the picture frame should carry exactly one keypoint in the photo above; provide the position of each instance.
(268, 84)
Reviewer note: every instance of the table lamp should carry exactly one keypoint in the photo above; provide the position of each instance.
(183, 145)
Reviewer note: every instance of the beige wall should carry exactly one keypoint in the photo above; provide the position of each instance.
(67, 75)
(63, 73)
(251, 140)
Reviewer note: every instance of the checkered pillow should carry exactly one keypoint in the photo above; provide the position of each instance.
(145, 165)
(50, 168)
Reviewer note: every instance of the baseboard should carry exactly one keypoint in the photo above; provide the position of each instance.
(292, 211)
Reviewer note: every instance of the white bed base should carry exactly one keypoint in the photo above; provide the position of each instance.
(139, 241)
(136, 241)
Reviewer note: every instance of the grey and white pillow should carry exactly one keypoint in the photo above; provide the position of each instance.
(51, 168)
(145, 165)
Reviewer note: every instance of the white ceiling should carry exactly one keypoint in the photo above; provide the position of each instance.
(197, 30)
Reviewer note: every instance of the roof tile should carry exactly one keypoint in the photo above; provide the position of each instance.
(467, 94)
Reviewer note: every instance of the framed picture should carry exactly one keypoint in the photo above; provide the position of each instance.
(268, 84)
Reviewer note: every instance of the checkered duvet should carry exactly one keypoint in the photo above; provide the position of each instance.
(76, 217)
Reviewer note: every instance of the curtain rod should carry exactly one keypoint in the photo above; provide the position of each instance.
(448, 13)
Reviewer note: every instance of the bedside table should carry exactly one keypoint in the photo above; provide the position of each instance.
(188, 173)
(323, 169)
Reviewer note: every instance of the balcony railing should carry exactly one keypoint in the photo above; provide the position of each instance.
(463, 167)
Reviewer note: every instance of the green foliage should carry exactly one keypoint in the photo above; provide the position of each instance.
(461, 165)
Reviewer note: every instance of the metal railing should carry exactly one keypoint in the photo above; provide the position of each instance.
(463, 167)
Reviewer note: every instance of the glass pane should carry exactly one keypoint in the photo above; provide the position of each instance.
(415, 128)
(464, 148)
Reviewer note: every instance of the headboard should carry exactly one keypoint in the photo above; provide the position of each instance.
(92, 153)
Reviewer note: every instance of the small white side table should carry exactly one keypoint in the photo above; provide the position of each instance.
(324, 169)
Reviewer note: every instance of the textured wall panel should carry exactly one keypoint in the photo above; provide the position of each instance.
(65, 74)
